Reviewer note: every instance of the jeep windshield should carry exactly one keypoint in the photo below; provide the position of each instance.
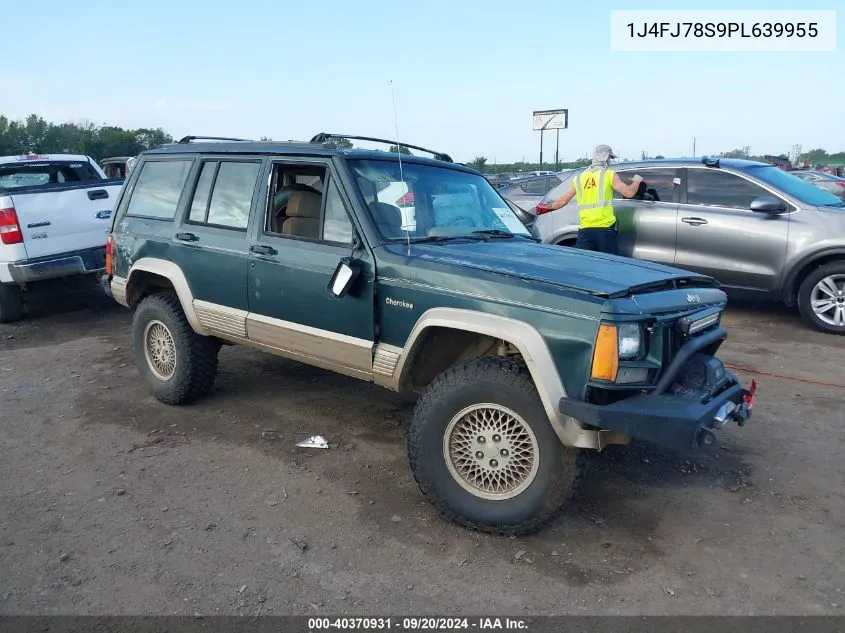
(430, 203)
(799, 189)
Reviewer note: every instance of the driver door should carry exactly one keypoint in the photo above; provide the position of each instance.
(305, 232)
(719, 235)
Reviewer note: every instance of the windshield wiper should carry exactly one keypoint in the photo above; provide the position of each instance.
(436, 238)
(501, 233)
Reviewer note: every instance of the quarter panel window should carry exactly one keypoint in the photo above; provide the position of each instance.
(722, 189)
(158, 189)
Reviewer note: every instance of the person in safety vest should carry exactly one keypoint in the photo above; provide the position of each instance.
(593, 189)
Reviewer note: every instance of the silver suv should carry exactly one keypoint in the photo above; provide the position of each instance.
(753, 227)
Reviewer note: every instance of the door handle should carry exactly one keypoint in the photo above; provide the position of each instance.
(263, 249)
(98, 194)
(694, 221)
(187, 237)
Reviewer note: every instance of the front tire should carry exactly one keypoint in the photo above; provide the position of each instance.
(484, 453)
(11, 303)
(821, 298)
(178, 365)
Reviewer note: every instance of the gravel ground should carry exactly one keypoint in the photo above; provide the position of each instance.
(111, 503)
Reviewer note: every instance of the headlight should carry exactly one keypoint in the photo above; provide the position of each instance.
(630, 340)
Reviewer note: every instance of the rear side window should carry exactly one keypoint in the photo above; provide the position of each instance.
(223, 196)
(537, 186)
(35, 174)
(159, 186)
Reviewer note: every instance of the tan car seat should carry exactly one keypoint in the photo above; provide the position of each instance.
(303, 215)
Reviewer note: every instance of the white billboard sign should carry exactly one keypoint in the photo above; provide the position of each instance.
(551, 119)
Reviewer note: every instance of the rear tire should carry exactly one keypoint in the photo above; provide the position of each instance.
(11, 303)
(484, 453)
(821, 298)
(178, 365)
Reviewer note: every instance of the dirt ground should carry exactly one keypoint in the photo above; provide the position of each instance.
(111, 503)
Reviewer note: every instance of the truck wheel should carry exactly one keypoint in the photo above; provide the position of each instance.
(11, 303)
(821, 298)
(177, 364)
(484, 453)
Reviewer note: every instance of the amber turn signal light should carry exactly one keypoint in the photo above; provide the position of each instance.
(606, 354)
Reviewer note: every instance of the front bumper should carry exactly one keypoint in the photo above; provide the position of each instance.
(89, 261)
(692, 401)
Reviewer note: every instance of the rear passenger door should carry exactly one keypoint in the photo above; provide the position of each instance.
(648, 226)
(210, 242)
(304, 230)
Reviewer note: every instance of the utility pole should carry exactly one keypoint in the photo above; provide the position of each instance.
(693, 147)
(557, 151)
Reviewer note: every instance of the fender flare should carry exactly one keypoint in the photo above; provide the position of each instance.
(174, 274)
(792, 281)
(536, 355)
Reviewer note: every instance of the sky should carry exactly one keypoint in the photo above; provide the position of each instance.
(466, 75)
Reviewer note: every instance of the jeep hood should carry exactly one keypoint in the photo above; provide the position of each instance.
(585, 271)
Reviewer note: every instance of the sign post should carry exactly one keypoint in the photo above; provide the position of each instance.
(551, 120)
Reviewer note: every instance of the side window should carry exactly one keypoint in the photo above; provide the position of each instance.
(551, 183)
(223, 196)
(710, 187)
(536, 186)
(659, 184)
(336, 224)
(159, 186)
(306, 203)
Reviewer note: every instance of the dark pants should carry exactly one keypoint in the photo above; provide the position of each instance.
(602, 240)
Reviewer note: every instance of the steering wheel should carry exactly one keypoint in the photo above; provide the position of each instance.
(456, 221)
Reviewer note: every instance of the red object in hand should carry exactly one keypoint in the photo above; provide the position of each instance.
(542, 208)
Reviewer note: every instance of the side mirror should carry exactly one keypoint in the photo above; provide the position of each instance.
(767, 204)
(344, 276)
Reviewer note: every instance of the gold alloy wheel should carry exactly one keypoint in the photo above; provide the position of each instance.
(491, 451)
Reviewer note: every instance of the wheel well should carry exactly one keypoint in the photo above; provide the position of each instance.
(566, 241)
(143, 283)
(439, 348)
(792, 292)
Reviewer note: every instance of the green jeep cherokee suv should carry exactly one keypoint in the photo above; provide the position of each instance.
(414, 274)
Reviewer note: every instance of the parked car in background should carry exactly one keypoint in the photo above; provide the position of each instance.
(829, 182)
(752, 226)
(527, 192)
(54, 215)
(498, 180)
(116, 166)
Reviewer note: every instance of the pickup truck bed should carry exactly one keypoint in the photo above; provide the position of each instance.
(54, 227)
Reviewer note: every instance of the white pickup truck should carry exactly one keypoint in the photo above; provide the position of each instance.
(55, 211)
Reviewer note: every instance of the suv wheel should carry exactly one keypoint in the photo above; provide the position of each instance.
(11, 303)
(821, 298)
(176, 363)
(483, 452)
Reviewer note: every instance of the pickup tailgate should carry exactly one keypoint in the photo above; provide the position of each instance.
(62, 218)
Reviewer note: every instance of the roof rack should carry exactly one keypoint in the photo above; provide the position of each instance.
(187, 139)
(324, 137)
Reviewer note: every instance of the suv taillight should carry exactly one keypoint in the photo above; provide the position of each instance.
(542, 208)
(109, 252)
(10, 229)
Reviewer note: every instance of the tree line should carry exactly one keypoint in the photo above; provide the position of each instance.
(34, 134)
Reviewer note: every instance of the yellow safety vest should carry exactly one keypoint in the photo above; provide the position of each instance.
(594, 196)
